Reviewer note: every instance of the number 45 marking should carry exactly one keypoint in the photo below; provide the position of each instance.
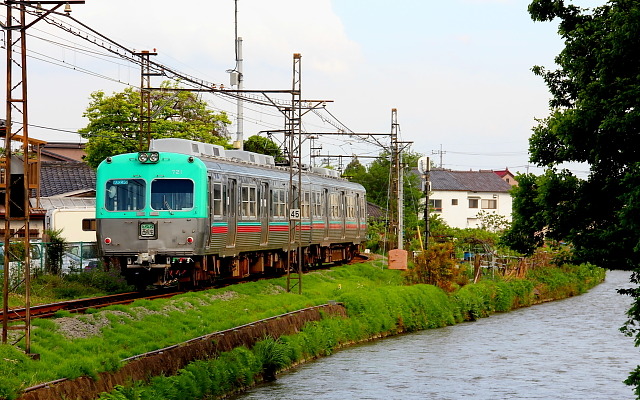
(294, 213)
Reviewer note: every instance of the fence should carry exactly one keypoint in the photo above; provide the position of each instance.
(46, 257)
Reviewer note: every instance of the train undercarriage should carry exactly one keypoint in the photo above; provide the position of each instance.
(191, 271)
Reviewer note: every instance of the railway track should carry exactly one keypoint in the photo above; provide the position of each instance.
(81, 305)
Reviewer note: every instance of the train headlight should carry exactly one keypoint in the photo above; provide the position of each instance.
(148, 157)
(107, 240)
(189, 240)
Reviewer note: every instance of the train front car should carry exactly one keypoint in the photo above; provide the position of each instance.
(152, 215)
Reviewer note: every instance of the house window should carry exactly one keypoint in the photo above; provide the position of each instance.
(89, 224)
(435, 205)
(454, 202)
(473, 203)
(489, 204)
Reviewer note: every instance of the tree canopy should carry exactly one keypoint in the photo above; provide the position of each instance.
(594, 119)
(114, 121)
(375, 179)
(262, 145)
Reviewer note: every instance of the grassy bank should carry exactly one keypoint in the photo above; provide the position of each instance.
(377, 303)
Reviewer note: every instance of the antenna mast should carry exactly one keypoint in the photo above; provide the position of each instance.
(237, 79)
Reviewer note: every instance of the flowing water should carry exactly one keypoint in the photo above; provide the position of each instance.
(568, 349)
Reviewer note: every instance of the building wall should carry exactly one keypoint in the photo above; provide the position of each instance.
(461, 215)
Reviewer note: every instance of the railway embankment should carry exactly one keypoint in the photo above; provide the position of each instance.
(146, 350)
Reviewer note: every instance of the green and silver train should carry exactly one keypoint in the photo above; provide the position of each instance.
(189, 212)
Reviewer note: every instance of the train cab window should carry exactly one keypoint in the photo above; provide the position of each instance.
(125, 195)
(249, 201)
(217, 200)
(172, 194)
(278, 203)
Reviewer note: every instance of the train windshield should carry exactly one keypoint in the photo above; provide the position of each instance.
(125, 195)
(172, 194)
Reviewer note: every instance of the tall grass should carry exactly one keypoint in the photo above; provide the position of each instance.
(376, 302)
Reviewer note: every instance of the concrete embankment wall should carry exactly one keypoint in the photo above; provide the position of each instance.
(169, 360)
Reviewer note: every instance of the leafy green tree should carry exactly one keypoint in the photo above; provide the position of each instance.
(262, 145)
(375, 179)
(114, 121)
(594, 119)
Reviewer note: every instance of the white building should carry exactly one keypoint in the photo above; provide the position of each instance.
(458, 196)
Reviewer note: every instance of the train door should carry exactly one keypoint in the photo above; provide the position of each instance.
(327, 216)
(358, 215)
(343, 213)
(264, 213)
(232, 211)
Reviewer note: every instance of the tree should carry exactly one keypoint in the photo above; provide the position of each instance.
(262, 145)
(594, 119)
(114, 126)
(375, 179)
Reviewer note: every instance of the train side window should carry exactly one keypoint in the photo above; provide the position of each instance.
(316, 204)
(278, 203)
(249, 198)
(125, 195)
(172, 194)
(305, 209)
(351, 207)
(217, 210)
(334, 205)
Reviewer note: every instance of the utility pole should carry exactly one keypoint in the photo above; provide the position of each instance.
(440, 153)
(395, 203)
(144, 136)
(16, 105)
(294, 129)
(424, 167)
(237, 79)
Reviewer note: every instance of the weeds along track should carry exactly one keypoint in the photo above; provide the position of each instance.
(81, 305)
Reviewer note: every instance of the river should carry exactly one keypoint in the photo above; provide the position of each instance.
(568, 349)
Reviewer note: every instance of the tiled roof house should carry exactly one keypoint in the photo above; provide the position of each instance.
(70, 179)
(458, 196)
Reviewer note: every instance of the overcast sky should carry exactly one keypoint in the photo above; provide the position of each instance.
(458, 71)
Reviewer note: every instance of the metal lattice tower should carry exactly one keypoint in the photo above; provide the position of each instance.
(293, 130)
(144, 136)
(394, 180)
(17, 207)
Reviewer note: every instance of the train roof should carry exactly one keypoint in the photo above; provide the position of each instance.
(245, 162)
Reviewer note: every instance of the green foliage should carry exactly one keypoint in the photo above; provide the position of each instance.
(375, 179)
(376, 300)
(434, 266)
(114, 121)
(54, 249)
(594, 120)
(108, 281)
(262, 145)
